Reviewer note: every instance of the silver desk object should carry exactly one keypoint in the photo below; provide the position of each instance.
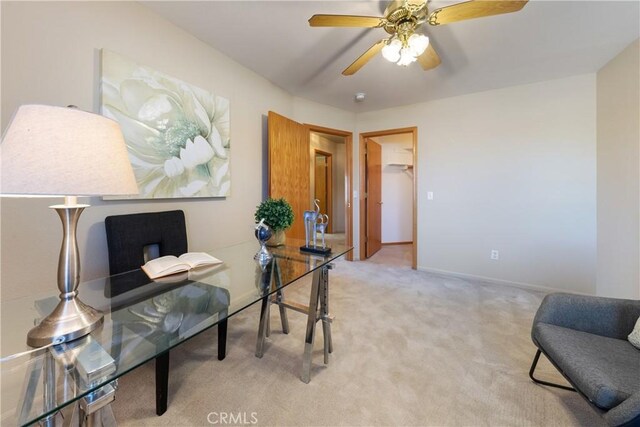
(71, 319)
(90, 365)
(315, 222)
(263, 233)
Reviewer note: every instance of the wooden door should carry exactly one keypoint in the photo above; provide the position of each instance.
(374, 197)
(289, 167)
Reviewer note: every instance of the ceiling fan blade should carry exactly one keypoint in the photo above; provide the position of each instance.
(429, 58)
(364, 58)
(474, 9)
(345, 21)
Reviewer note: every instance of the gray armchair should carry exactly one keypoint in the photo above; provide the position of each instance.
(585, 338)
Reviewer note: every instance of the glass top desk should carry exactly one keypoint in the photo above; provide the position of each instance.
(144, 320)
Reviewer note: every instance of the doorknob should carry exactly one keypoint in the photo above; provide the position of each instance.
(379, 203)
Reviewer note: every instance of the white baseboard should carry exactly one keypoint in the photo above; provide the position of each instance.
(493, 280)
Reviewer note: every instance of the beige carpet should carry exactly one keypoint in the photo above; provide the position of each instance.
(411, 348)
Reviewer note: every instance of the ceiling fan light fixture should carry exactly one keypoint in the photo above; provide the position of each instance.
(406, 57)
(418, 43)
(405, 51)
(391, 51)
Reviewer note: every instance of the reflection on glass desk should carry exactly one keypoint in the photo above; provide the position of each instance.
(143, 319)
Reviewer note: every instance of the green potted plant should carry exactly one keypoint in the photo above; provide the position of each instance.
(278, 215)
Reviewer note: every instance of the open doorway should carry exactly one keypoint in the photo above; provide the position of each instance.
(323, 182)
(328, 156)
(388, 208)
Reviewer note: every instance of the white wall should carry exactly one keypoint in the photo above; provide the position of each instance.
(313, 113)
(397, 188)
(513, 170)
(618, 93)
(50, 55)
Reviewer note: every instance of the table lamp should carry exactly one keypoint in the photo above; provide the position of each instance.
(55, 151)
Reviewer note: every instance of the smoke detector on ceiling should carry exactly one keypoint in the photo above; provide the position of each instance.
(359, 97)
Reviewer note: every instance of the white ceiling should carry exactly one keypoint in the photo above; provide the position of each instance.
(544, 41)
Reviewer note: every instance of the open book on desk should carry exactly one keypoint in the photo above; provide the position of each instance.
(168, 265)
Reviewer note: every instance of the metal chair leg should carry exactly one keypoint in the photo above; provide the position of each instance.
(537, 381)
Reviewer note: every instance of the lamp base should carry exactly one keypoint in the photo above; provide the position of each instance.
(71, 319)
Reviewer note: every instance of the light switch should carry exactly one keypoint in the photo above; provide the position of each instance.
(355, 194)
(429, 195)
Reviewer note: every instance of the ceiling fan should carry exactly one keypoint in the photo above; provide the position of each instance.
(401, 20)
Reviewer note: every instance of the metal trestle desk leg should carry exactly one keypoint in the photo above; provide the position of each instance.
(319, 296)
(317, 310)
(271, 277)
(326, 319)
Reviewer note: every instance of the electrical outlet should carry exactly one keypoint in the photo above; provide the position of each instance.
(495, 254)
(429, 195)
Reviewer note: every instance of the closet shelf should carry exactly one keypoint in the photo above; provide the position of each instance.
(402, 165)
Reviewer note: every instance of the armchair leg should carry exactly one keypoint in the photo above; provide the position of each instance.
(537, 381)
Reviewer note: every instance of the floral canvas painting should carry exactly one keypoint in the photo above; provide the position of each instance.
(177, 134)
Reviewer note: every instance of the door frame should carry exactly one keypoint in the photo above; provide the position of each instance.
(373, 215)
(362, 204)
(348, 191)
(328, 183)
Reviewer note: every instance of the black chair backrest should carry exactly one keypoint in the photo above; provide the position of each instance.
(129, 235)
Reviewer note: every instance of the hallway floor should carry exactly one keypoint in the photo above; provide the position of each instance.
(393, 255)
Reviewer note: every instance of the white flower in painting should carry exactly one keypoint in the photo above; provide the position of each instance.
(177, 135)
(173, 167)
(216, 143)
(197, 152)
(192, 188)
(154, 108)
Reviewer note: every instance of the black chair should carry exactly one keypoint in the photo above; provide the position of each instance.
(128, 236)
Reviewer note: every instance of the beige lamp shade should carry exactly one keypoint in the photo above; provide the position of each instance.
(58, 151)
